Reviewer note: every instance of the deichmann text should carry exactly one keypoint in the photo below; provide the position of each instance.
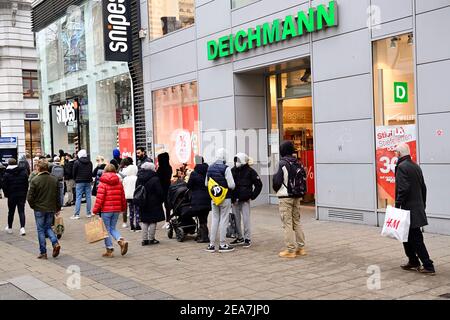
(313, 20)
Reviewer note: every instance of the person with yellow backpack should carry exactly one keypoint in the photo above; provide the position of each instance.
(220, 182)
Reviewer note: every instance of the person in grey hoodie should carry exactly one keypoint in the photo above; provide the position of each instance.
(222, 175)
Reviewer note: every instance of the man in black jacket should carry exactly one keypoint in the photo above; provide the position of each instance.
(248, 187)
(82, 173)
(411, 194)
(15, 187)
(68, 178)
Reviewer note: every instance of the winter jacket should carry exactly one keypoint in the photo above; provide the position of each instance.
(153, 211)
(140, 161)
(411, 191)
(15, 182)
(200, 199)
(281, 178)
(23, 163)
(110, 195)
(164, 172)
(68, 169)
(98, 171)
(221, 174)
(248, 183)
(2, 173)
(129, 182)
(82, 170)
(43, 195)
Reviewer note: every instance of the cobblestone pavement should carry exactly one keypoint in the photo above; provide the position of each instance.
(339, 265)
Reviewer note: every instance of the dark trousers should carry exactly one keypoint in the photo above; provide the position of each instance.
(12, 204)
(415, 249)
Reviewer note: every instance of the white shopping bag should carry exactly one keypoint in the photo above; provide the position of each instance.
(396, 224)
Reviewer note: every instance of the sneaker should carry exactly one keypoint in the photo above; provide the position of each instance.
(145, 242)
(300, 252)
(247, 243)
(210, 248)
(75, 218)
(226, 248)
(154, 241)
(22, 231)
(430, 272)
(124, 225)
(410, 266)
(287, 254)
(89, 216)
(238, 241)
(8, 230)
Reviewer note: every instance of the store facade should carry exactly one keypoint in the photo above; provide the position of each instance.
(87, 87)
(346, 80)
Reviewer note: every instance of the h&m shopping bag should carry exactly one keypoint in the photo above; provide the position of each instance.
(95, 230)
(396, 224)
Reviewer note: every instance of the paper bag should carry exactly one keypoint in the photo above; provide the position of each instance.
(95, 230)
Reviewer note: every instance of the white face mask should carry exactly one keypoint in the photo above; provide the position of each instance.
(238, 164)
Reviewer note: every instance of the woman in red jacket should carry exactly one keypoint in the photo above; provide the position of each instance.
(110, 203)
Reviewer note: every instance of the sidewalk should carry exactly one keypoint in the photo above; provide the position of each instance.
(336, 267)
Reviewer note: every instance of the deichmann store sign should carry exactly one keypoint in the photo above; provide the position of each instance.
(117, 30)
(315, 19)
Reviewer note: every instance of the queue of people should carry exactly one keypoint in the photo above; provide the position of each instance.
(140, 192)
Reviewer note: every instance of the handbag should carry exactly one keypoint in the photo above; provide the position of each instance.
(396, 224)
(95, 230)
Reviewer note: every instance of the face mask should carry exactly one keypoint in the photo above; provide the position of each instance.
(238, 164)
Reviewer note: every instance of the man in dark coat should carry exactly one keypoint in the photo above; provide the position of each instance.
(15, 187)
(165, 175)
(152, 212)
(411, 194)
(82, 173)
(141, 157)
(200, 199)
(248, 187)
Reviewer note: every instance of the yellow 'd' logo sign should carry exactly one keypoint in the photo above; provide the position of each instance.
(216, 192)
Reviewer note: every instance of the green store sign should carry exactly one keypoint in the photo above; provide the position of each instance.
(313, 20)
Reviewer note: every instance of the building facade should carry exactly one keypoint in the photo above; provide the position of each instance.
(91, 98)
(19, 88)
(347, 80)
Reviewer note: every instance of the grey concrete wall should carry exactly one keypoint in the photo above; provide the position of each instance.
(231, 94)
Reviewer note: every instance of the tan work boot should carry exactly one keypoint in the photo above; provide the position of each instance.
(287, 254)
(300, 252)
(123, 246)
(108, 253)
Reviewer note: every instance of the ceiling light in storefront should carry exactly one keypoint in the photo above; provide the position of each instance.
(394, 42)
(410, 39)
(108, 82)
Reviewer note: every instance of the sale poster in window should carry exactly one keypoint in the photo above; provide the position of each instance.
(126, 143)
(387, 138)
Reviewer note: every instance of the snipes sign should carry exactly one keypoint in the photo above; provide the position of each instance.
(117, 30)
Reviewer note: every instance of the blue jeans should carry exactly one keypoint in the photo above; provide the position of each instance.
(61, 192)
(110, 220)
(83, 187)
(44, 227)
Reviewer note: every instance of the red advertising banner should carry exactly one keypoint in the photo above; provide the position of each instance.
(387, 138)
(126, 143)
(307, 158)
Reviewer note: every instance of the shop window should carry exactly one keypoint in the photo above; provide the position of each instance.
(166, 16)
(176, 123)
(395, 112)
(30, 84)
(240, 3)
(33, 137)
(115, 125)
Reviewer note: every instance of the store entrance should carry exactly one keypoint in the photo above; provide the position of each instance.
(290, 117)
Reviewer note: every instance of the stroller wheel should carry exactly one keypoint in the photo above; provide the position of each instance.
(180, 234)
(170, 233)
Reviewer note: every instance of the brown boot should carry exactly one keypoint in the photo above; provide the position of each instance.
(123, 246)
(108, 253)
(56, 250)
(42, 256)
(300, 252)
(287, 254)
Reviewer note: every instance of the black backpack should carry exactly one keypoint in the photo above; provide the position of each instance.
(296, 179)
(140, 196)
(97, 181)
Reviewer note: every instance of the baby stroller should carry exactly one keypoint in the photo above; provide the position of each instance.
(181, 222)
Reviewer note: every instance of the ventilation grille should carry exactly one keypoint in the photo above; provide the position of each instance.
(345, 215)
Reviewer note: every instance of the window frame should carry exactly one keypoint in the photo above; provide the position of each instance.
(34, 92)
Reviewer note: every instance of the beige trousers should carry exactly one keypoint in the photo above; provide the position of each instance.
(290, 218)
